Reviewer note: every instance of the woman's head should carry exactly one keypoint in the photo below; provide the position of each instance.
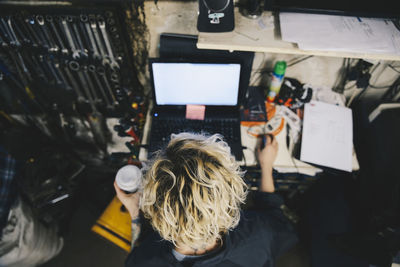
(193, 190)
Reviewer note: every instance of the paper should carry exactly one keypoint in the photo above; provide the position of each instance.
(327, 136)
(195, 112)
(340, 33)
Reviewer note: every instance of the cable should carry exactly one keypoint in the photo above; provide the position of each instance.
(260, 71)
(379, 87)
(352, 98)
(393, 68)
(290, 64)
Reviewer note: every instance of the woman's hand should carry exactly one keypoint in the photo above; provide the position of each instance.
(130, 201)
(267, 155)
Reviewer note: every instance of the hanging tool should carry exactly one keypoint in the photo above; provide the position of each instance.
(95, 118)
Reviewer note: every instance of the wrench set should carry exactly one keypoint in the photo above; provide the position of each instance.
(81, 53)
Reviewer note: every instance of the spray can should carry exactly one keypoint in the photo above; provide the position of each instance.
(276, 81)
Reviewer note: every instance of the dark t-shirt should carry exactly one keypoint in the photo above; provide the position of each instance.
(260, 237)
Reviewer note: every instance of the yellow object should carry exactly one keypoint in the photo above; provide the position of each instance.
(115, 225)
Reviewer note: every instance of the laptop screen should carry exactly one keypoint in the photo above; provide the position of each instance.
(196, 83)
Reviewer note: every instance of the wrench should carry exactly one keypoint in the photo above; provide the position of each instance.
(74, 66)
(102, 26)
(61, 74)
(77, 37)
(67, 32)
(115, 77)
(20, 33)
(102, 73)
(85, 38)
(27, 32)
(110, 22)
(17, 43)
(49, 19)
(89, 33)
(38, 32)
(53, 71)
(7, 33)
(74, 84)
(93, 25)
(53, 47)
(90, 84)
(92, 69)
(39, 70)
(108, 14)
(35, 38)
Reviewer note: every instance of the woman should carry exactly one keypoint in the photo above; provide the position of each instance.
(192, 195)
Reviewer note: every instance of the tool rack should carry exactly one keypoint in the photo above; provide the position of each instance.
(72, 60)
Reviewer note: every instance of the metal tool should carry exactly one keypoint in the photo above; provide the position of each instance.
(85, 38)
(74, 84)
(89, 33)
(93, 26)
(108, 14)
(95, 119)
(38, 68)
(102, 73)
(74, 66)
(21, 34)
(53, 46)
(50, 20)
(35, 37)
(37, 31)
(90, 84)
(115, 77)
(110, 21)
(50, 66)
(10, 26)
(26, 31)
(7, 33)
(67, 32)
(82, 49)
(62, 76)
(102, 26)
(92, 70)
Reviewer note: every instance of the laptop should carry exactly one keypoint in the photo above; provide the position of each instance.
(209, 90)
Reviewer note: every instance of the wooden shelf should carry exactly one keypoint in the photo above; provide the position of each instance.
(249, 36)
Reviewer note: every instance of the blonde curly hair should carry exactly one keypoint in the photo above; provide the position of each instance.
(193, 190)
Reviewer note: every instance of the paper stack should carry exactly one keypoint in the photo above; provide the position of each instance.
(340, 33)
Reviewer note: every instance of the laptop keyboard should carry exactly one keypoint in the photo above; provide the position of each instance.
(163, 128)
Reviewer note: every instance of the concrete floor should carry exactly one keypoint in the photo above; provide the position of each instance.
(83, 248)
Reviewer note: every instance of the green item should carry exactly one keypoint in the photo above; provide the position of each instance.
(280, 67)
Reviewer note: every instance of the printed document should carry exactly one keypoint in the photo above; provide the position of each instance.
(340, 33)
(327, 138)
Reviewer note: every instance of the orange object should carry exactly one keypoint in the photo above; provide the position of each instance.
(270, 110)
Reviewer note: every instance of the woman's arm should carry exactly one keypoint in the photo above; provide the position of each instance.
(266, 157)
(131, 203)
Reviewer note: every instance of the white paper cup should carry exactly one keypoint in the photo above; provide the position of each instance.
(129, 178)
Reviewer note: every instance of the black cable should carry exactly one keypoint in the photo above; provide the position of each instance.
(290, 64)
(379, 87)
(393, 68)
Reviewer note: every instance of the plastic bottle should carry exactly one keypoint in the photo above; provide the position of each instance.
(276, 81)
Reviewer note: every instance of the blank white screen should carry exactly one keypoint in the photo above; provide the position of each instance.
(196, 83)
